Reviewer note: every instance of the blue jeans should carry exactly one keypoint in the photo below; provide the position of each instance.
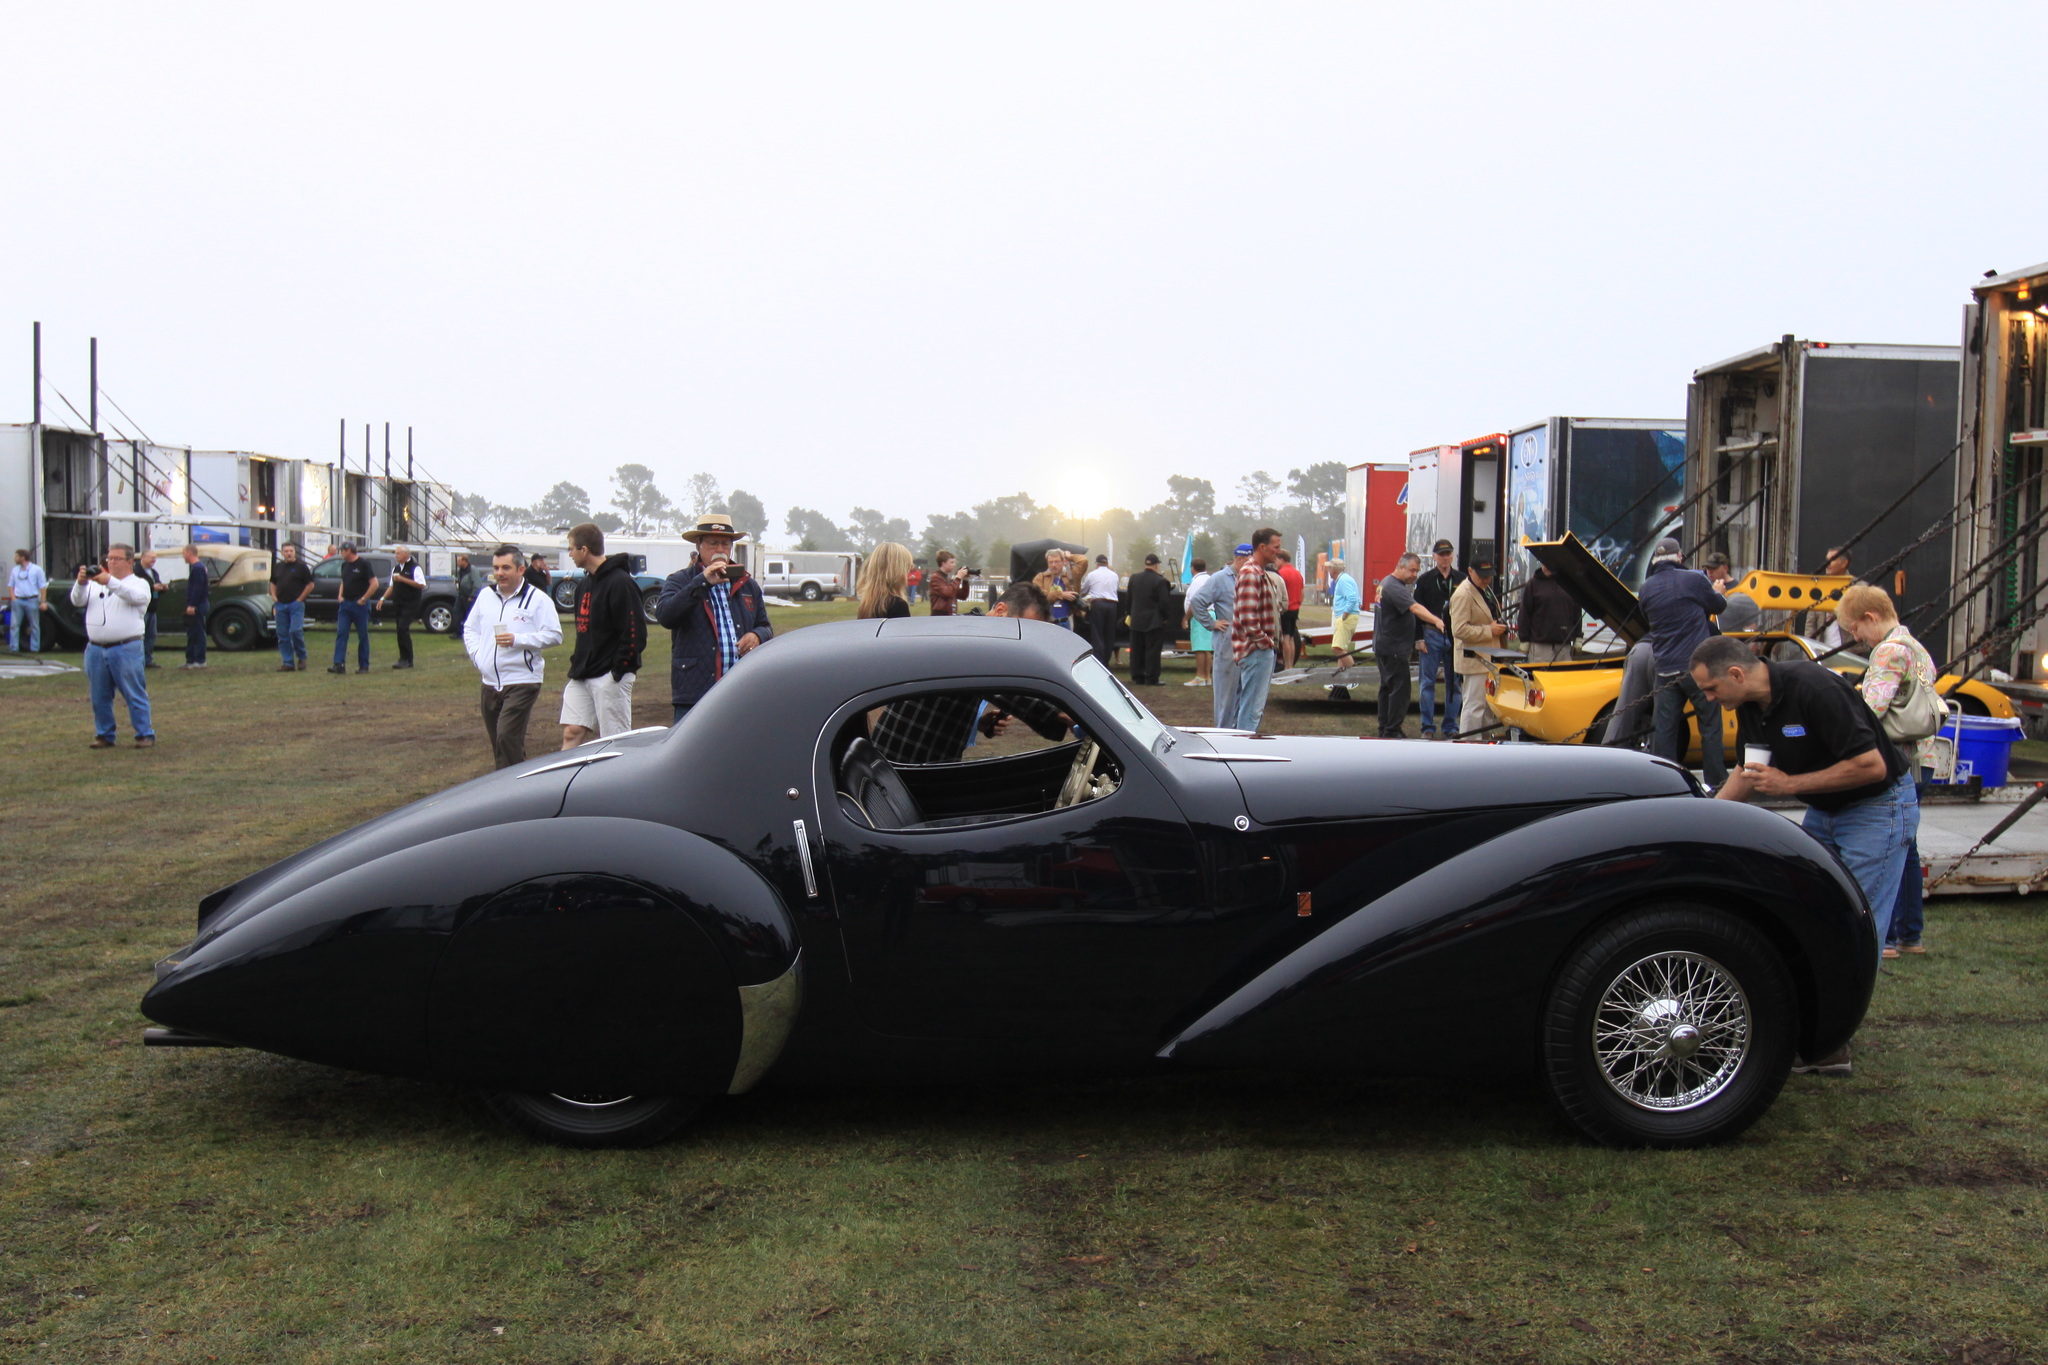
(351, 615)
(1909, 915)
(1254, 674)
(1436, 658)
(291, 631)
(117, 668)
(1223, 681)
(27, 620)
(1674, 692)
(1871, 839)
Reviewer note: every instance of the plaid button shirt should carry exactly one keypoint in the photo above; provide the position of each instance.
(1255, 613)
(935, 728)
(721, 621)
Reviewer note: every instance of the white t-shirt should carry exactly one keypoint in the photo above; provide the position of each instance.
(1100, 582)
(113, 612)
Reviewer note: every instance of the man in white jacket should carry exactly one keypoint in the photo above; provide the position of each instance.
(505, 633)
(113, 599)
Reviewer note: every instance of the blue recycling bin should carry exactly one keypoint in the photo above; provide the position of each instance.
(1983, 747)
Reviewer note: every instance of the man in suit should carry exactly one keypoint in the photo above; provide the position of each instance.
(1150, 596)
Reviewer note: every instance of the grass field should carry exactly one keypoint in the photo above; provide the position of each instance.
(231, 1206)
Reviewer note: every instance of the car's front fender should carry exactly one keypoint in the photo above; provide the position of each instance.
(1471, 944)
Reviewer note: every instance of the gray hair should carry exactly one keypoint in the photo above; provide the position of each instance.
(1410, 557)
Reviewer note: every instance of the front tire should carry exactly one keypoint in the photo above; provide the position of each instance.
(1669, 1027)
(440, 618)
(594, 1120)
(811, 592)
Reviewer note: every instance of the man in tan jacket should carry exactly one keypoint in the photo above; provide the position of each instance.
(1475, 620)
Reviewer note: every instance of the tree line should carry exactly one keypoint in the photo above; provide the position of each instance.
(1308, 503)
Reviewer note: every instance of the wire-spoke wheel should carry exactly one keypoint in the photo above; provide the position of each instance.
(592, 1119)
(1669, 1027)
(1671, 1031)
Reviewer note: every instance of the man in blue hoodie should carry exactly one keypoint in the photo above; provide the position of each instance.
(1680, 605)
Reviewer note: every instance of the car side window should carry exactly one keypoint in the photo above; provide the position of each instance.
(327, 568)
(939, 759)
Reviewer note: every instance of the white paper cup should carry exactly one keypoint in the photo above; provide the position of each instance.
(1755, 756)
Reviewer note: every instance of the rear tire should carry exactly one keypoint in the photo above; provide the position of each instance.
(811, 592)
(594, 1120)
(232, 629)
(647, 601)
(1669, 1027)
(1596, 733)
(439, 618)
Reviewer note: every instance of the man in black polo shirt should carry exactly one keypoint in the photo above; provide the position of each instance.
(1805, 732)
(1433, 593)
(352, 612)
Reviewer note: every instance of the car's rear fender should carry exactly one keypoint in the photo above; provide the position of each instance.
(534, 929)
(1483, 931)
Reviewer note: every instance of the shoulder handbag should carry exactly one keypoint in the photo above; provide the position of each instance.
(1916, 711)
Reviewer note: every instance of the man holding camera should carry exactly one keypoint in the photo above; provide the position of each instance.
(947, 584)
(715, 611)
(113, 600)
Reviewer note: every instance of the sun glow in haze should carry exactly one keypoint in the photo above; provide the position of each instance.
(1081, 493)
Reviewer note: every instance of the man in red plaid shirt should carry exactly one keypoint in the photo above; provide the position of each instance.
(1254, 626)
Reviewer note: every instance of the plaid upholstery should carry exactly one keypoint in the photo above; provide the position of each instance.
(936, 727)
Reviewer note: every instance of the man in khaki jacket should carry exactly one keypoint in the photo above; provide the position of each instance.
(1475, 620)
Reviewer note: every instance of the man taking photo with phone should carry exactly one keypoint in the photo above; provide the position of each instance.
(715, 611)
(113, 597)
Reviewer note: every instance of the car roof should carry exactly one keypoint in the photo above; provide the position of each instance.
(803, 676)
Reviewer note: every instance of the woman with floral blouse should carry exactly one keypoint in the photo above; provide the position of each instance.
(1866, 612)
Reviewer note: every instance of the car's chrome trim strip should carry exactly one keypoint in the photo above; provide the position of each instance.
(1213, 730)
(571, 762)
(1240, 758)
(803, 853)
(767, 1014)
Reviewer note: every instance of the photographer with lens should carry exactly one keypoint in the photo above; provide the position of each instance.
(946, 584)
(113, 599)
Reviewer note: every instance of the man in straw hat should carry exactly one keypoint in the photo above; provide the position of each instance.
(715, 611)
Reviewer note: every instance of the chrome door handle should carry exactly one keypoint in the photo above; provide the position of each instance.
(803, 852)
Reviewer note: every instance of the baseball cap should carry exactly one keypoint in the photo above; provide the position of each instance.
(1482, 564)
(1245, 548)
(1442, 547)
(1151, 559)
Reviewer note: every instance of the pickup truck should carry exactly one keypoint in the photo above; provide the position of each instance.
(437, 604)
(807, 575)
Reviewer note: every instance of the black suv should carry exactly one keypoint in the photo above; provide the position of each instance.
(437, 604)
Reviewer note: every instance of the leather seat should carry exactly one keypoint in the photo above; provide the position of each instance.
(872, 783)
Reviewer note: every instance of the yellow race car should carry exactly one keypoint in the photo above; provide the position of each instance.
(1570, 703)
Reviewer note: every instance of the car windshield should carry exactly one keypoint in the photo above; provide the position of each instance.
(1112, 696)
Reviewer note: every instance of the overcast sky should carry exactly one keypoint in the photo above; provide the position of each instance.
(915, 257)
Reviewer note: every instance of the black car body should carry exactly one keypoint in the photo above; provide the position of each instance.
(605, 938)
(437, 599)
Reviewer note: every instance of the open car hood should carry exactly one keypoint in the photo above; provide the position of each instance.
(1592, 585)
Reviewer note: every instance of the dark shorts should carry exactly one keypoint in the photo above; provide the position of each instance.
(1290, 624)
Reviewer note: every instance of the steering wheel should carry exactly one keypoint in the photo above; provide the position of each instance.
(1078, 787)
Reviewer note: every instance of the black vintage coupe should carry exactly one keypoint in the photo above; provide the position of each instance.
(606, 939)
